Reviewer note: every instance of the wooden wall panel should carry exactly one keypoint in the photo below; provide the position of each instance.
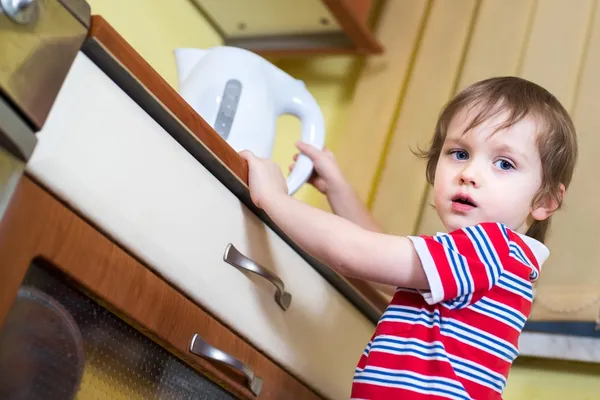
(497, 44)
(556, 45)
(401, 188)
(496, 49)
(376, 95)
(569, 287)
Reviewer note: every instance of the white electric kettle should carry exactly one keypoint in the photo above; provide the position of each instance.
(241, 95)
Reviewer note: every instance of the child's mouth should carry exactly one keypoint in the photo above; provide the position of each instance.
(463, 203)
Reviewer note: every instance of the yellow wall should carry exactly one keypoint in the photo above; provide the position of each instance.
(155, 28)
(443, 46)
(536, 379)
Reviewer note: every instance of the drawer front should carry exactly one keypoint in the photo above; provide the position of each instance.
(108, 159)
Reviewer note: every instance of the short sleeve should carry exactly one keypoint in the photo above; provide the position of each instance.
(529, 252)
(463, 265)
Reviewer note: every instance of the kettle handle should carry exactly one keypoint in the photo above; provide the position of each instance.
(303, 105)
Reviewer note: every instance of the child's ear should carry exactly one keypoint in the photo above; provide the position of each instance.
(548, 204)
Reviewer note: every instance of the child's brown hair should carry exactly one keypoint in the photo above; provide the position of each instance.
(557, 140)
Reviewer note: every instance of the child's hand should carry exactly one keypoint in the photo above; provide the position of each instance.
(327, 176)
(264, 179)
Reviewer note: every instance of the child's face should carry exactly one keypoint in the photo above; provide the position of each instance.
(482, 176)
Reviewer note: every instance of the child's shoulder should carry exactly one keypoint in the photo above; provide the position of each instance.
(496, 237)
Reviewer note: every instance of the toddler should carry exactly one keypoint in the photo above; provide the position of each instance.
(501, 158)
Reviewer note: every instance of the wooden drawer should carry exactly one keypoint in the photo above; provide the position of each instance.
(38, 229)
(107, 158)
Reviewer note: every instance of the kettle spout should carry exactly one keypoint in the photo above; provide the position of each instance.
(185, 60)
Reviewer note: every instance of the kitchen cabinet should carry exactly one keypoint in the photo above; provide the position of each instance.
(134, 210)
(110, 161)
(292, 27)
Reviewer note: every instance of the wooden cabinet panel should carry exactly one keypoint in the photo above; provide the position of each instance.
(379, 86)
(569, 286)
(36, 225)
(289, 27)
(556, 46)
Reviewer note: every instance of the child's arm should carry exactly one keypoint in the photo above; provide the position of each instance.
(347, 248)
(329, 180)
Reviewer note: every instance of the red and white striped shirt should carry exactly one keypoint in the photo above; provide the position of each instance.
(459, 339)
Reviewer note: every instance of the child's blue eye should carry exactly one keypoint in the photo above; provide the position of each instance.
(459, 155)
(504, 165)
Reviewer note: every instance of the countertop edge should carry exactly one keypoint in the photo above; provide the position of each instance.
(226, 172)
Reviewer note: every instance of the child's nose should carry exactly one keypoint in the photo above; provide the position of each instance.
(469, 176)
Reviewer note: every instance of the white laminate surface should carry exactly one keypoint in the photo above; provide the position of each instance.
(105, 156)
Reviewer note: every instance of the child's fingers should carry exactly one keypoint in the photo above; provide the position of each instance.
(246, 155)
(308, 150)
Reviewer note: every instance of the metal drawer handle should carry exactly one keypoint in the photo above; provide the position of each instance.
(234, 257)
(205, 350)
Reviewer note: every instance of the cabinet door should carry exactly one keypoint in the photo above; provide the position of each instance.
(47, 248)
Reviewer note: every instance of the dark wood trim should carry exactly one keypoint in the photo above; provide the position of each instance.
(127, 68)
(36, 225)
(360, 8)
(352, 15)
